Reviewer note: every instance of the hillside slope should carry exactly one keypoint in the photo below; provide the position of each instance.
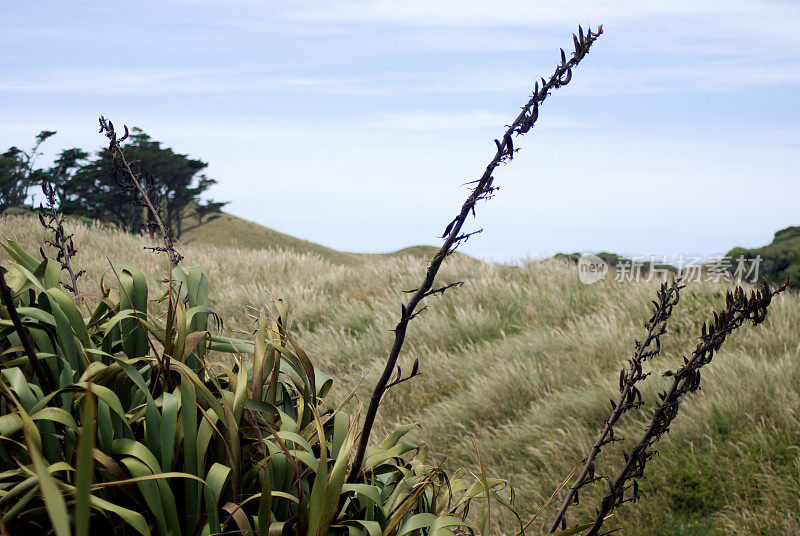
(230, 230)
(525, 360)
(781, 258)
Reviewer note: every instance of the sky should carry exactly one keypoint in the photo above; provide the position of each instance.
(356, 124)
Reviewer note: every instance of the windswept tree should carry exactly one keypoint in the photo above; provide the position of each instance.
(66, 164)
(175, 180)
(17, 174)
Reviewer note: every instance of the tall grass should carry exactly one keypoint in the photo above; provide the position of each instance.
(525, 359)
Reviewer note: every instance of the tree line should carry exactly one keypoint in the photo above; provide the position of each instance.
(87, 184)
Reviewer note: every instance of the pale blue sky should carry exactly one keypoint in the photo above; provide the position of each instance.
(339, 121)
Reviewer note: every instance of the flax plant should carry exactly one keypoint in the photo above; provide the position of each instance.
(144, 428)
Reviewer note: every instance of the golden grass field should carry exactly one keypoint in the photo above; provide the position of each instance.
(525, 358)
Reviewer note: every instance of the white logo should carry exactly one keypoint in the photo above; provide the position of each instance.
(591, 268)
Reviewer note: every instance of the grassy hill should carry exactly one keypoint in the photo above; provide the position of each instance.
(524, 359)
(781, 258)
(233, 231)
(230, 230)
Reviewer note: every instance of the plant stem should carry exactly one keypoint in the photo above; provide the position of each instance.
(38, 368)
(118, 154)
(667, 299)
(483, 190)
(739, 308)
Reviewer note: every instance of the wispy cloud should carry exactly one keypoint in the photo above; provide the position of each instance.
(162, 80)
(511, 13)
(651, 46)
(715, 75)
(724, 76)
(745, 17)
